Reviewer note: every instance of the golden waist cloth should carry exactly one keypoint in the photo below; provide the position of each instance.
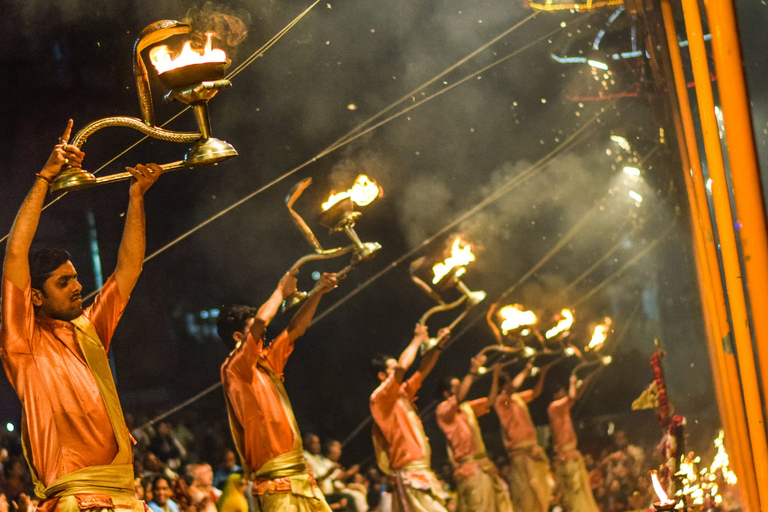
(108, 486)
(528, 448)
(567, 452)
(419, 475)
(286, 473)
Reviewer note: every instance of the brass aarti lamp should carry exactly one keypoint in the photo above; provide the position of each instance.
(193, 77)
(338, 215)
(447, 274)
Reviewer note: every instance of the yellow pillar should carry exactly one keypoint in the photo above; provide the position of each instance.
(725, 373)
(723, 218)
(745, 174)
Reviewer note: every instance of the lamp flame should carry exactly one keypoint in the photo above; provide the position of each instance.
(515, 317)
(663, 498)
(362, 193)
(563, 325)
(599, 336)
(163, 60)
(460, 256)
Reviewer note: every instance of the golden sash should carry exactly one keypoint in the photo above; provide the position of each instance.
(292, 464)
(116, 479)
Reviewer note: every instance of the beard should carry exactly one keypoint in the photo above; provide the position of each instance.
(68, 313)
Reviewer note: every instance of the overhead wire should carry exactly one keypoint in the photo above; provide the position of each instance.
(336, 145)
(429, 408)
(255, 55)
(498, 193)
(333, 148)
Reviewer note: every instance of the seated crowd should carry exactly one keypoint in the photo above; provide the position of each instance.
(172, 474)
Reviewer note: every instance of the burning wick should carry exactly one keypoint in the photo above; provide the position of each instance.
(362, 193)
(163, 60)
(664, 500)
(460, 256)
(515, 317)
(563, 325)
(599, 336)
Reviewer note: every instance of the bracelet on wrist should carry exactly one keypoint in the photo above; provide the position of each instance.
(44, 178)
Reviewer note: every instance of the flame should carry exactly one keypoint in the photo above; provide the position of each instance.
(460, 256)
(563, 325)
(163, 60)
(663, 498)
(362, 193)
(599, 336)
(514, 317)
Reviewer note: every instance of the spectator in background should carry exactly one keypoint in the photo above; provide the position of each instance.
(325, 471)
(204, 495)
(233, 497)
(166, 447)
(340, 478)
(229, 467)
(161, 496)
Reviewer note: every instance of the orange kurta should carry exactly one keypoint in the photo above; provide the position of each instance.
(66, 425)
(560, 422)
(391, 406)
(461, 439)
(514, 418)
(255, 400)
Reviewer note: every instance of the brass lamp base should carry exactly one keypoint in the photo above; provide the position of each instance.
(73, 178)
(209, 151)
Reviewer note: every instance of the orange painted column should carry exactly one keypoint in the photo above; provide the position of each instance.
(724, 364)
(745, 174)
(729, 251)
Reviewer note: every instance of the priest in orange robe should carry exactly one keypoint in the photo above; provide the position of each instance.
(530, 483)
(479, 488)
(55, 354)
(402, 447)
(570, 471)
(260, 415)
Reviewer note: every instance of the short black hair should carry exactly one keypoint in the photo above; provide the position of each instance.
(233, 319)
(443, 385)
(43, 263)
(379, 364)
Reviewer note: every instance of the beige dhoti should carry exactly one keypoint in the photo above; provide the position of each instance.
(530, 485)
(484, 491)
(573, 480)
(418, 489)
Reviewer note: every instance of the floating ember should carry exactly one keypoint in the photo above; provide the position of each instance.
(664, 502)
(362, 193)
(599, 336)
(459, 258)
(515, 317)
(563, 325)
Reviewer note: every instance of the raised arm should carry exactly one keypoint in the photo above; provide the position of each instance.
(517, 382)
(268, 310)
(16, 264)
(470, 377)
(534, 393)
(495, 384)
(130, 257)
(429, 360)
(408, 355)
(303, 317)
(574, 390)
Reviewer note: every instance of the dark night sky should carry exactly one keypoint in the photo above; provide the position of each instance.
(73, 59)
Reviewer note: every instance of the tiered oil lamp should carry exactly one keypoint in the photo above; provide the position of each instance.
(339, 215)
(446, 275)
(193, 77)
